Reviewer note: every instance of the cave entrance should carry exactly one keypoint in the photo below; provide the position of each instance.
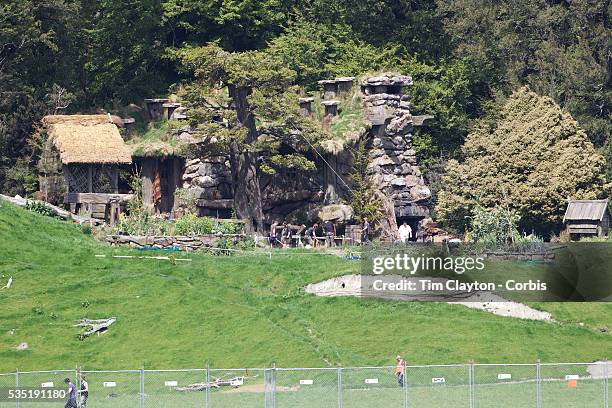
(413, 222)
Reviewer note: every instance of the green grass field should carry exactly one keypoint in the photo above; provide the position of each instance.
(236, 311)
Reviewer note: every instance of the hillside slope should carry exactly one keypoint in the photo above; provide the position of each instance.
(240, 311)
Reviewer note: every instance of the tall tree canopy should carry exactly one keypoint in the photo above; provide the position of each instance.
(86, 55)
(530, 158)
(244, 101)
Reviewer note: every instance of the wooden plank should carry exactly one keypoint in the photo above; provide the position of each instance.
(148, 174)
(224, 204)
(95, 198)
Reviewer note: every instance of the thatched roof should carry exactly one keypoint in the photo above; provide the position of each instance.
(87, 139)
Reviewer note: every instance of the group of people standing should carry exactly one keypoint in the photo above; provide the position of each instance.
(83, 393)
(328, 229)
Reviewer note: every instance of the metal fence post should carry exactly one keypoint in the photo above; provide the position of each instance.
(405, 387)
(273, 381)
(606, 391)
(77, 384)
(339, 387)
(207, 390)
(17, 384)
(538, 384)
(471, 384)
(142, 387)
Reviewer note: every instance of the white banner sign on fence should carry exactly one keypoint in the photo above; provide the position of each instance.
(504, 376)
(109, 384)
(371, 380)
(170, 383)
(438, 380)
(46, 385)
(306, 382)
(572, 377)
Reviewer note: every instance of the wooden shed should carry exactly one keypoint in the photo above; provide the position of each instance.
(587, 218)
(82, 159)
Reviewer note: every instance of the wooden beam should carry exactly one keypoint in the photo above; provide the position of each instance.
(95, 198)
(115, 180)
(89, 178)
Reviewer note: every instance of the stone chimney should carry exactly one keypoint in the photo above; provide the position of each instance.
(155, 108)
(306, 106)
(345, 85)
(330, 88)
(393, 167)
(331, 107)
(129, 124)
(169, 109)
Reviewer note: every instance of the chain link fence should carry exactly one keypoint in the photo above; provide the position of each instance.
(563, 385)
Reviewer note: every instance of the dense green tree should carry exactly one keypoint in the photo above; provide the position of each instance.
(530, 159)
(318, 51)
(237, 25)
(37, 51)
(243, 102)
(559, 48)
(123, 46)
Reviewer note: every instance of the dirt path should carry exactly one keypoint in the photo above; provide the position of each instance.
(361, 286)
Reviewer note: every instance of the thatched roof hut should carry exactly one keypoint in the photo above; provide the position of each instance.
(87, 139)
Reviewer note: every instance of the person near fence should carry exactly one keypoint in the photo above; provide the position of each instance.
(272, 236)
(330, 232)
(84, 391)
(71, 402)
(286, 235)
(311, 235)
(365, 232)
(400, 370)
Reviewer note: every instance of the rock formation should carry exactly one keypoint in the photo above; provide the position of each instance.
(393, 166)
(296, 195)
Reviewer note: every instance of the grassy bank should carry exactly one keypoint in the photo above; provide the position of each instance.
(241, 311)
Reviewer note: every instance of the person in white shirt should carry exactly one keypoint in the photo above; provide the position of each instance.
(405, 232)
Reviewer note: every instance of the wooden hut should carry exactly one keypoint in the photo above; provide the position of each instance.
(587, 218)
(81, 160)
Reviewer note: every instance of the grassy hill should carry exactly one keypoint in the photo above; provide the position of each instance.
(241, 311)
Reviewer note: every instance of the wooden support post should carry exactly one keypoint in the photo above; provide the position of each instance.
(115, 210)
(177, 176)
(90, 178)
(148, 175)
(115, 180)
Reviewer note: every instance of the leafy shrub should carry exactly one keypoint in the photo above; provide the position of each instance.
(86, 229)
(38, 310)
(40, 208)
(191, 224)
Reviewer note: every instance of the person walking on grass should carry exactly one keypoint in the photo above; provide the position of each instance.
(84, 392)
(71, 402)
(400, 370)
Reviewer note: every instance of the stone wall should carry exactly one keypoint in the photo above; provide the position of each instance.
(284, 194)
